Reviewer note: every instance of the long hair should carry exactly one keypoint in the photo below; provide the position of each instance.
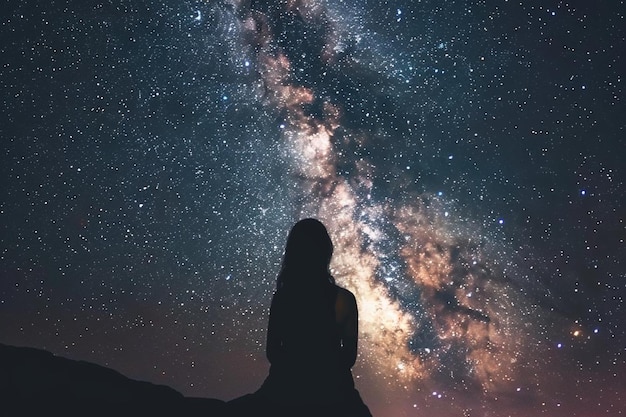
(308, 252)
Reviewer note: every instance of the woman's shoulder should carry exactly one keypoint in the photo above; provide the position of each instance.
(345, 303)
(344, 293)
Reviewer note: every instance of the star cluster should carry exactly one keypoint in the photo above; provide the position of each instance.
(466, 157)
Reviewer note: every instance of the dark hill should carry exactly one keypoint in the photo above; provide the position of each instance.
(36, 382)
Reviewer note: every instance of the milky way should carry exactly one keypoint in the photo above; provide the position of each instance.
(465, 157)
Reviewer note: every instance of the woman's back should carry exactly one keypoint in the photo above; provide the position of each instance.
(305, 321)
(305, 349)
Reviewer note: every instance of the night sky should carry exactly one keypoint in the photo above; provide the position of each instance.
(467, 158)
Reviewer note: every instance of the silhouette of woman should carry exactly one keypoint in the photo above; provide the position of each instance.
(311, 337)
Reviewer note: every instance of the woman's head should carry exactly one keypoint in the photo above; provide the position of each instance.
(308, 252)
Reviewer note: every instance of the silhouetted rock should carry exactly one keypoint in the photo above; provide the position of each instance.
(255, 405)
(35, 382)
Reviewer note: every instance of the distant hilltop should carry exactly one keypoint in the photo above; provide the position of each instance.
(34, 382)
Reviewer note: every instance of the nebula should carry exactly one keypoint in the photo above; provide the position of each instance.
(473, 316)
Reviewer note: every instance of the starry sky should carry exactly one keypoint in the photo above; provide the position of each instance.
(465, 156)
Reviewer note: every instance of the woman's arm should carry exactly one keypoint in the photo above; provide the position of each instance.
(347, 316)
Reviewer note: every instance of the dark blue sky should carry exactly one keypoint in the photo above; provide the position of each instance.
(156, 154)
